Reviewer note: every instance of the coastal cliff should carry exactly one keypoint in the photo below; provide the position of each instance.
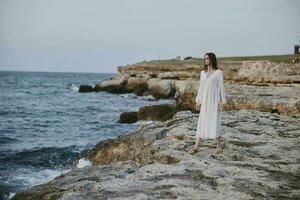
(258, 84)
(260, 160)
(260, 140)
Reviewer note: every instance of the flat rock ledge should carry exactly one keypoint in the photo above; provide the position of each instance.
(260, 160)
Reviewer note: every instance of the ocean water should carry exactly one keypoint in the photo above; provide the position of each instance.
(45, 123)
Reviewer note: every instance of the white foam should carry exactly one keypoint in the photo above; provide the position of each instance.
(11, 195)
(129, 95)
(144, 122)
(74, 87)
(83, 162)
(32, 177)
(149, 98)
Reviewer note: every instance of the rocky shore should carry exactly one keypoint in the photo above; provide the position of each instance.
(260, 126)
(260, 85)
(260, 160)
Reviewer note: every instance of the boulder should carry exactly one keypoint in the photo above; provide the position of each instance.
(161, 112)
(260, 160)
(137, 85)
(128, 117)
(160, 89)
(86, 88)
(116, 85)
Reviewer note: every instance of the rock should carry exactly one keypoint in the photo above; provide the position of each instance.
(179, 75)
(115, 85)
(161, 112)
(162, 70)
(269, 72)
(128, 117)
(260, 160)
(261, 85)
(248, 72)
(160, 88)
(137, 85)
(281, 99)
(86, 88)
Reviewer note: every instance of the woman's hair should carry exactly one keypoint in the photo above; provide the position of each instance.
(213, 59)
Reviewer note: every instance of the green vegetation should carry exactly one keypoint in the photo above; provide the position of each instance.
(274, 58)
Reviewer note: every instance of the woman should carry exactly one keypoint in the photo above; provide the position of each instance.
(209, 101)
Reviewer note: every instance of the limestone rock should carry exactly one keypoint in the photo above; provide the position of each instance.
(128, 117)
(86, 88)
(137, 85)
(160, 112)
(260, 160)
(160, 88)
(115, 85)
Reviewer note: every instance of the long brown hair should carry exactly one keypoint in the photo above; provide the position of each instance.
(213, 59)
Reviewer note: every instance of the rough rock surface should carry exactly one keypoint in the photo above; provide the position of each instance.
(260, 160)
(253, 72)
(128, 117)
(86, 88)
(269, 72)
(260, 85)
(283, 99)
(115, 85)
(160, 112)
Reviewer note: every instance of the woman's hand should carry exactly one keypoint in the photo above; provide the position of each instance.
(220, 106)
(198, 106)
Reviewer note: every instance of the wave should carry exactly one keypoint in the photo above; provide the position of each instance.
(129, 95)
(29, 177)
(134, 96)
(83, 162)
(46, 157)
(74, 87)
(5, 140)
(148, 98)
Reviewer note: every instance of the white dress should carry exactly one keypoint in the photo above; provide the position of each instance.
(210, 93)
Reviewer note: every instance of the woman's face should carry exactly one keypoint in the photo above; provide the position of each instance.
(207, 60)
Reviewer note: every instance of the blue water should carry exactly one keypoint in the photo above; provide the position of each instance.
(45, 123)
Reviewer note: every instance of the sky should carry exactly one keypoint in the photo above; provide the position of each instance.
(99, 36)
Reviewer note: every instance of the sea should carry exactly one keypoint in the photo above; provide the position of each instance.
(45, 124)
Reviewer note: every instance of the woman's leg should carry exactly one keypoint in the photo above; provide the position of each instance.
(196, 147)
(198, 142)
(219, 148)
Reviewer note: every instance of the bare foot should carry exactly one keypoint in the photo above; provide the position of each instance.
(218, 150)
(193, 150)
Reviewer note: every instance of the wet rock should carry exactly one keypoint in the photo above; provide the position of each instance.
(115, 85)
(137, 85)
(128, 117)
(86, 88)
(153, 162)
(160, 88)
(161, 112)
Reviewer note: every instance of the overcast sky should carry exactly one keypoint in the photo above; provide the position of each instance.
(98, 35)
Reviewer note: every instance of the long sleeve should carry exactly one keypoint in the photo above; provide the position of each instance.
(222, 91)
(200, 91)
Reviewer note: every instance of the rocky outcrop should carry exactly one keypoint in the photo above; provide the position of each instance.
(259, 161)
(174, 70)
(250, 72)
(128, 117)
(86, 88)
(269, 72)
(160, 88)
(115, 85)
(160, 112)
(137, 85)
(262, 85)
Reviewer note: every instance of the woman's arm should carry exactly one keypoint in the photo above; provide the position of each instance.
(222, 90)
(200, 91)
